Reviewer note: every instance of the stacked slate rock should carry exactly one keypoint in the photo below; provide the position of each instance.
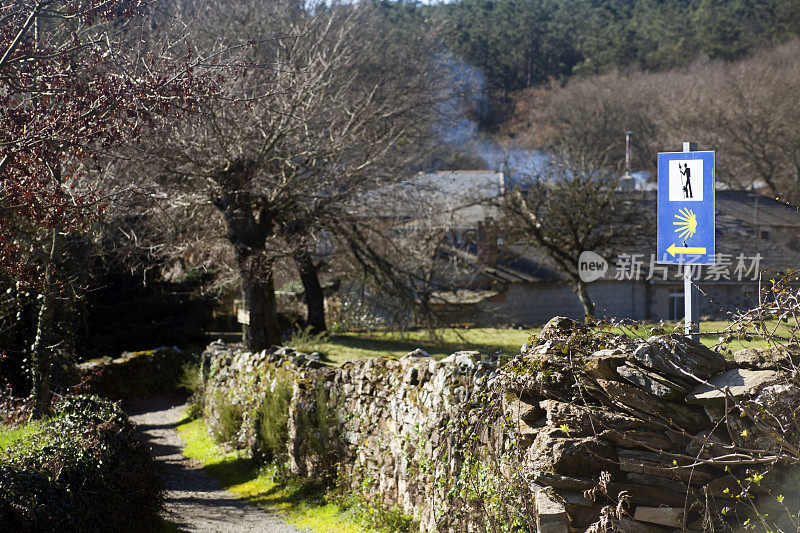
(614, 432)
(619, 431)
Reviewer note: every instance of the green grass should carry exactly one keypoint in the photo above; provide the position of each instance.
(302, 503)
(710, 332)
(439, 343)
(442, 342)
(10, 435)
(713, 328)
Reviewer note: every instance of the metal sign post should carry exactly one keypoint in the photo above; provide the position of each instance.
(691, 307)
(686, 219)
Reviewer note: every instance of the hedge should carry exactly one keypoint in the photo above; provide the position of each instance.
(83, 470)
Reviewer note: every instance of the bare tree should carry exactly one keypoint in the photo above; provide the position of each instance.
(589, 117)
(568, 207)
(747, 111)
(394, 255)
(314, 118)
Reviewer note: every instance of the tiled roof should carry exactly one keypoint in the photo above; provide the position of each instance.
(744, 207)
(510, 267)
(735, 236)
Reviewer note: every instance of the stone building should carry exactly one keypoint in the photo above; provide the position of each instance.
(756, 236)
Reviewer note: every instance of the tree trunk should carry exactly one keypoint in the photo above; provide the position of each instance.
(40, 357)
(586, 301)
(247, 231)
(258, 293)
(314, 297)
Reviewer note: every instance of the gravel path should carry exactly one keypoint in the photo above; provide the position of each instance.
(194, 500)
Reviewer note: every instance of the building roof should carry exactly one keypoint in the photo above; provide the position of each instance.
(745, 207)
(740, 215)
(511, 267)
(736, 236)
(454, 198)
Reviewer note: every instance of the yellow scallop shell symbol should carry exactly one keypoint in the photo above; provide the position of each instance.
(686, 222)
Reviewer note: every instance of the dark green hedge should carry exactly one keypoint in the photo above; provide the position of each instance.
(137, 373)
(85, 470)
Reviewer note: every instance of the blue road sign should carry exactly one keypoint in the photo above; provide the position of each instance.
(686, 208)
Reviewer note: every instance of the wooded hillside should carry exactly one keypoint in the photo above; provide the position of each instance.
(519, 44)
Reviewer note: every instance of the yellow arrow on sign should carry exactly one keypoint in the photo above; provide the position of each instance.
(694, 250)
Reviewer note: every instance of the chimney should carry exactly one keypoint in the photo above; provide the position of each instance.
(488, 253)
(628, 152)
(627, 183)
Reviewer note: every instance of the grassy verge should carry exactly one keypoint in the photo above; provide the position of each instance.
(439, 343)
(444, 341)
(710, 332)
(302, 503)
(11, 435)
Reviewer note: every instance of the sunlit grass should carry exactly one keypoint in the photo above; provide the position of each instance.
(711, 332)
(444, 341)
(11, 435)
(302, 503)
(439, 342)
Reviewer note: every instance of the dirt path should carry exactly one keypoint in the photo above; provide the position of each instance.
(194, 500)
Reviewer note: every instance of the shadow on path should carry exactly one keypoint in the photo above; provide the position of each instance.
(194, 500)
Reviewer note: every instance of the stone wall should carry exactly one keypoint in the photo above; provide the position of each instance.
(393, 416)
(134, 373)
(535, 303)
(583, 429)
(648, 416)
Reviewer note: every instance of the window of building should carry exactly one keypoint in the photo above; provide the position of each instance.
(676, 305)
(764, 234)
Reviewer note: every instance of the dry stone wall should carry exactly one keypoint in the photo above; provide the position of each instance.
(581, 431)
(133, 373)
(393, 417)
